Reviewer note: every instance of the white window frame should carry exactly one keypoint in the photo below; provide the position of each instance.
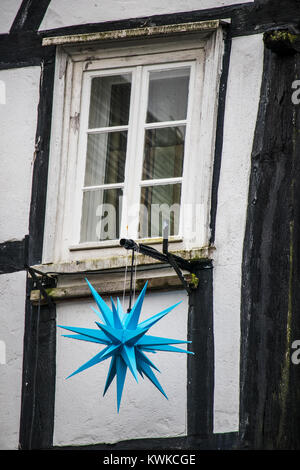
(133, 170)
(74, 68)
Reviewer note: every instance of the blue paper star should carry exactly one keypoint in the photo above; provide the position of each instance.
(125, 341)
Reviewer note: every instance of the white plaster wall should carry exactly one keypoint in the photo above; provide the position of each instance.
(19, 89)
(8, 11)
(12, 307)
(242, 101)
(65, 13)
(83, 416)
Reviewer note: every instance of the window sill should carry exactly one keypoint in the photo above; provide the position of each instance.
(111, 287)
(116, 243)
(108, 275)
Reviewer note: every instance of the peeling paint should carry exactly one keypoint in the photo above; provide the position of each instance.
(181, 28)
(74, 122)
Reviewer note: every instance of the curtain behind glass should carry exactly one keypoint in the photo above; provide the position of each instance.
(105, 157)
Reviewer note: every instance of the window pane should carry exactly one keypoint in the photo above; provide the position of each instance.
(159, 203)
(105, 159)
(101, 215)
(110, 99)
(163, 153)
(168, 95)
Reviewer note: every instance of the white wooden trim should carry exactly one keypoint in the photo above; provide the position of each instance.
(161, 124)
(103, 186)
(56, 165)
(102, 130)
(66, 173)
(160, 181)
(181, 28)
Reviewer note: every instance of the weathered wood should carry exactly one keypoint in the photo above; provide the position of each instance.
(108, 287)
(39, 370)
(13, 255)
(203, 27)
(200, 366)
(270, 383)
(30, 15)
(40, 169)
(219, 135)
(23, 49)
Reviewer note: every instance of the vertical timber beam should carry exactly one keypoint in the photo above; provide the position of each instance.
(41, 160)
(38, 390)
(201, 364)
(270, 382)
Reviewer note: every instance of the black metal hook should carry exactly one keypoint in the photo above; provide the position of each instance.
(175, 261)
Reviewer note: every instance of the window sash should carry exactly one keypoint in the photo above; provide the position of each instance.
(136, 128)
(142, 126)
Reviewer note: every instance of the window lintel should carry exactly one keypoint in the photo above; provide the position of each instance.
(203, 27)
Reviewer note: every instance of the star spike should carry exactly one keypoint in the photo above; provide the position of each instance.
(128, 354)
(114, 334)
(121, 374)
(88, 332)
(141, 356)
(120, 311)
(134, 315)
(92, 362)
(104, 309)
(166, 348)
(84, 338)
(148, 340)
(111, 373)
(116, 317)
(146, 369)
(98, 313)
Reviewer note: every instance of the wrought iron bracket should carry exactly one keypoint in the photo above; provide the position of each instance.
(177, 263)
(42, 283)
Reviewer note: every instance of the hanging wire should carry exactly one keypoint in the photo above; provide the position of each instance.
(125, 276)
(125, 280)
(35, 370)
(135, 270)
(131, 281)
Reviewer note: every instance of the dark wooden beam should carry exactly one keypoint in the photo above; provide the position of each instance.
(30, 15)
(40, 169)
(219, 133)
(200, 368)
(13, 255)
(39, 371)
(270, 382)
(239, 14)
(23, 50)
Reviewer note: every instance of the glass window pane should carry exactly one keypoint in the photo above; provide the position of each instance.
(159, 203)
(101, 215)
(105, 158)
(110, 100)
(163, 152)
(168, 95)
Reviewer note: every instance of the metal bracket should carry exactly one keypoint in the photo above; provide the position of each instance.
(39, 283)
(175, 261)
(172, 260)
